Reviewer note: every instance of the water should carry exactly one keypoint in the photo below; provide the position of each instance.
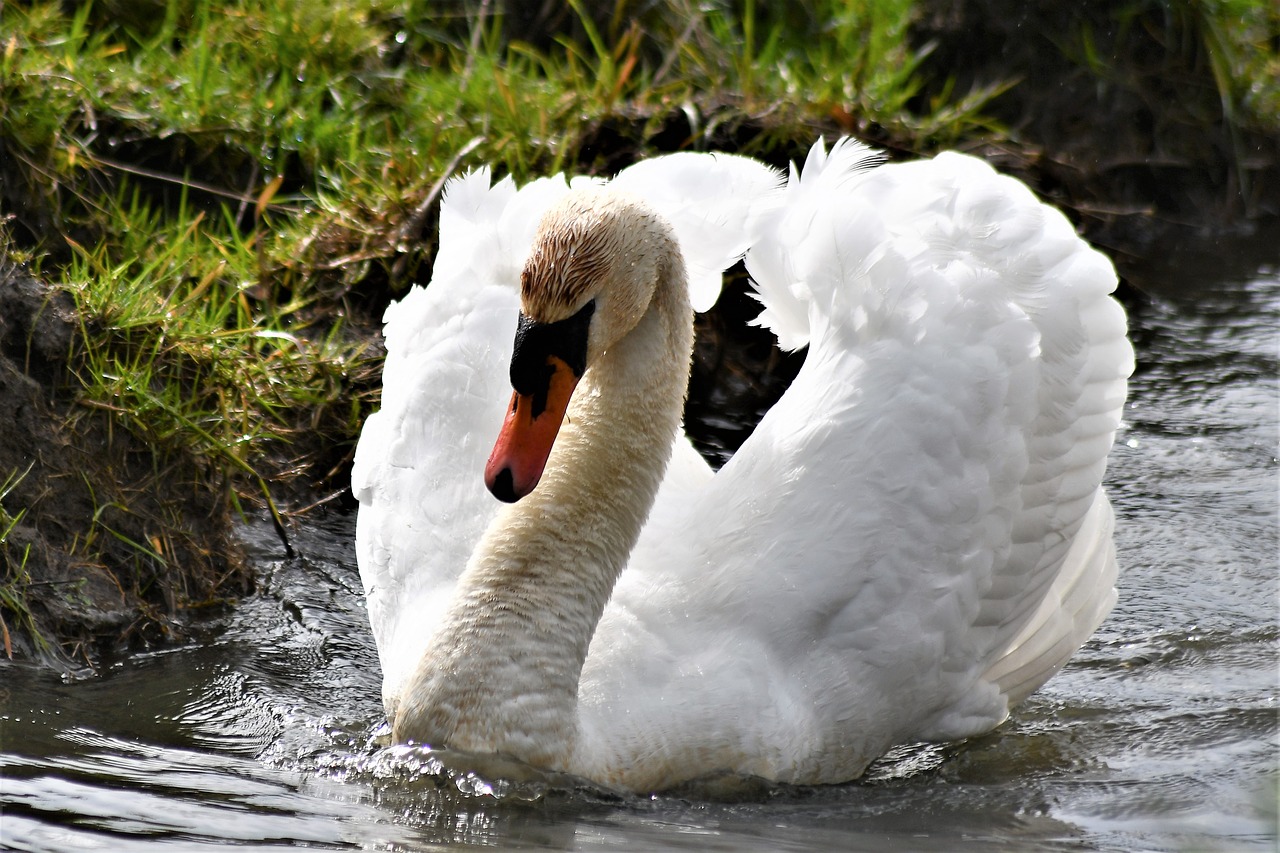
(1161, 734)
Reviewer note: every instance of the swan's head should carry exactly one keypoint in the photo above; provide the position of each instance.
(589, 278)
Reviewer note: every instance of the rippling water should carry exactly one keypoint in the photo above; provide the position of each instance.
(1160, 734)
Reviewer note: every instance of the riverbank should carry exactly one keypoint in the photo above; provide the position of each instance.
(205, 207)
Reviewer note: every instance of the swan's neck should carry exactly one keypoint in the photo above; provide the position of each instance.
(501, 674)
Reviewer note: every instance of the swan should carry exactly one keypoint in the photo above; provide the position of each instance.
(912, 540)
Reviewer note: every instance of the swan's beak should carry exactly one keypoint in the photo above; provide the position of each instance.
(532, 423)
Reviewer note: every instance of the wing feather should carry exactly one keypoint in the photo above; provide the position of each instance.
(924, 499)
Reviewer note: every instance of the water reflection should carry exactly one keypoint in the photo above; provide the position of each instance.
(1160, 734)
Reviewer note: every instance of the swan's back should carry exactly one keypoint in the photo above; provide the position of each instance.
(914, 538)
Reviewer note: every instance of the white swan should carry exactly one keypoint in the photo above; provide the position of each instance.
(912, 540)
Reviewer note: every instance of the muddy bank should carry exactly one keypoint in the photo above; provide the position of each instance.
(106, 544)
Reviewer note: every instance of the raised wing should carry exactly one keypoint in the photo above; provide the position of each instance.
(914, 536)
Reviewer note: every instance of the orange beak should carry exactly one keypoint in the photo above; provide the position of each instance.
(533, 422)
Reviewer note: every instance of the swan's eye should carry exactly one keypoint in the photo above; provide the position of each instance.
(536, 343)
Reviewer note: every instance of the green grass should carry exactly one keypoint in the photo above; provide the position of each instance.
(187, 351)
